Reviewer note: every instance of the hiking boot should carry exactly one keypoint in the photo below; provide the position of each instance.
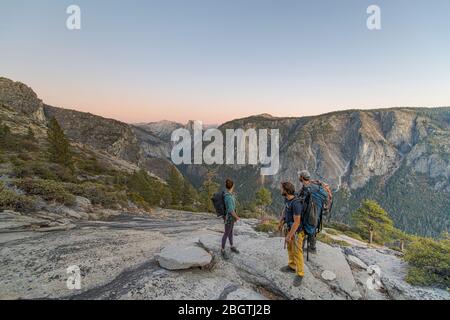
(298, 281)
(224, 255)
(287, 269)
(234, 249)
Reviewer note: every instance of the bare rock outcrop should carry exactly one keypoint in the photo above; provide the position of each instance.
(179, 257)
(19, 97)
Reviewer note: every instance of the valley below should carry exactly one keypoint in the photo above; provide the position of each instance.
(83, 192)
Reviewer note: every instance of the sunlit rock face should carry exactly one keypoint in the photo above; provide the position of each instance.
(399, 157)
(21, 98)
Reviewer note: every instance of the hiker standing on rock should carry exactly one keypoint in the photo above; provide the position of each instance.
(305, 180)
(292, 218)
(229, 218)
(317, 199)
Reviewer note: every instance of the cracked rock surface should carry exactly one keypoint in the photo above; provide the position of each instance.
(121, 259)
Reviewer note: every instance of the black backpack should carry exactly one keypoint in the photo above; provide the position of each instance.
(218, 201)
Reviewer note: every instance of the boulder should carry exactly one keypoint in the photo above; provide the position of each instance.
(71, 213)
(83, 204)
(179, 256)
(356, 262)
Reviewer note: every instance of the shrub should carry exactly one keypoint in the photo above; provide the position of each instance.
(151, 190)
(263, 199)
(91, 165)
(247, 214)
(338, 226)
(138, 200)
(332, 231)
(343, 228)
(99, 194)
(47, 189)
(30, 169)
(429, 262)
(43, 170)
(267, 225)
(354, 235)
(322, 237)
(9, 200)
(14, 142)
(183, 208)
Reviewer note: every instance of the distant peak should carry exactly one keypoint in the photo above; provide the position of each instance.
(266, 115)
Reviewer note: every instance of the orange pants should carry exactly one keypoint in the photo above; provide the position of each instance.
(295, 254)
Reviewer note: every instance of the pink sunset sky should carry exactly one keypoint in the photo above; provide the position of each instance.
(219, 60)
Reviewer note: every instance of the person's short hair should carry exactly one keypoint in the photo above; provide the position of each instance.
(304, 174)
(229, 184)
(289, 188)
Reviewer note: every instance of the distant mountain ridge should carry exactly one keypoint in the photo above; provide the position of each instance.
(163, 129)
(399, 156)
(112, 137)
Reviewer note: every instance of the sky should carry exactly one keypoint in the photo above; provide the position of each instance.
(217, 60)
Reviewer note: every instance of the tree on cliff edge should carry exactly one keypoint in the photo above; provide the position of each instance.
(59, 147)
(373, 222)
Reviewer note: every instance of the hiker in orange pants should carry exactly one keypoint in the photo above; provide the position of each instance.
(295, 254)
(292, 218)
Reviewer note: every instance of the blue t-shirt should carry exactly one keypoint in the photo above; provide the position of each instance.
(293, 207)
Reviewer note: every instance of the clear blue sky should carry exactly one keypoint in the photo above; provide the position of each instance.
(215, 60)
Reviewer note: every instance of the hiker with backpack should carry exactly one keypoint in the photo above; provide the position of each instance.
(225, 204)
(292, 216)
(316, 197)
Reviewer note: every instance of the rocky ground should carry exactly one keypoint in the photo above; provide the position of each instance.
(121, 258)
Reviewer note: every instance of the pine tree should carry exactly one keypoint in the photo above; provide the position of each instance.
(59, 147)
(188, 195)
(175, 183)
(30, 134)
(373, 221)
(5, 134)
(209, 187)
(154, 192)
(4, 130)
(263, 199)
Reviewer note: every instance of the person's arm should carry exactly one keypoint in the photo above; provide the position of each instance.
(281, 222)
(234, 214)
(231, 207)
(294, 228)
(298, 208)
